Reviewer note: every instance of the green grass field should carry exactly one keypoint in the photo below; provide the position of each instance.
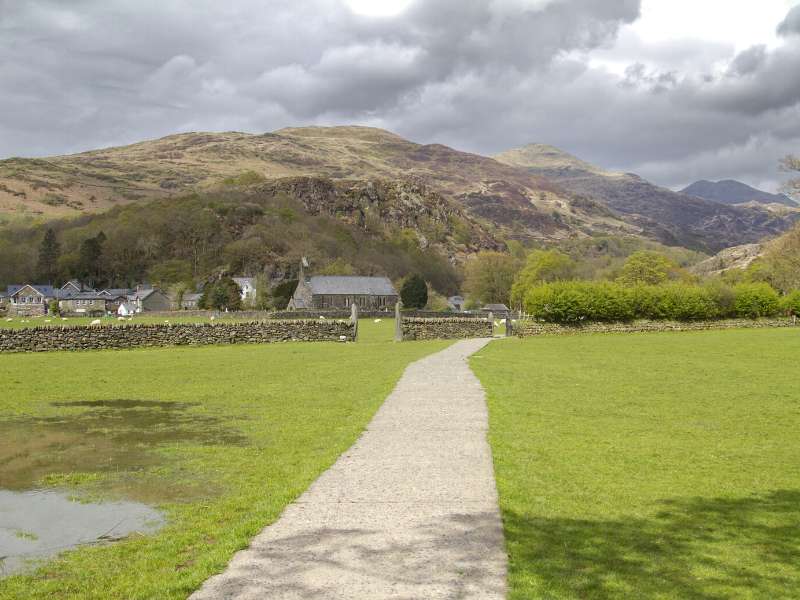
(220, 438)
(648, 466)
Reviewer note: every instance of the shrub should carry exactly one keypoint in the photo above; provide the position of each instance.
(573, 302)
(790, 304)
(414, 292)
(754, 300)
(576, 301)
(724, 297)
(681, 302)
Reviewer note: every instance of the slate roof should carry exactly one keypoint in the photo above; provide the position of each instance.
(140, 294)
(118, 292)
(495, 307)
(85, 295)
(351, 285)
(46, 290)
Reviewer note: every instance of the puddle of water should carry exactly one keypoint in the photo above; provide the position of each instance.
(111, 436)
(40, 524)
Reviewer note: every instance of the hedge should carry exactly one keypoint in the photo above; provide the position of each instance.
(584, 301)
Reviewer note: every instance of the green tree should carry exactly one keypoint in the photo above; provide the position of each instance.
(89, 268)
(490, 276)
(338, 266)
(49, 253)
(282, 293)
(646, 267)
(542, 266)
(171, 272)
(224, 294)
(414, 292)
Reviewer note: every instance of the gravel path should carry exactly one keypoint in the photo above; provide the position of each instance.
(408, 512)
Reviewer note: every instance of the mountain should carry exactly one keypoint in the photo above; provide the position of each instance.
(535, 194)
(672, 218)
(510, 201)
(729, 191)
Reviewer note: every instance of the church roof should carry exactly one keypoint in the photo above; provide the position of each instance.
(351, 284)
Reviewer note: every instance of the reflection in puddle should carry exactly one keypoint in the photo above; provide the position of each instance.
(40, 524)
(108, 436)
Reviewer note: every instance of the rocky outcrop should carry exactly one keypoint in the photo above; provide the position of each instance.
(373, 203)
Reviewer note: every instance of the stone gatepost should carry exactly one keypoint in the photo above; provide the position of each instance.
(491, 322)
(509, 326)
(354, 320)
(398, 324)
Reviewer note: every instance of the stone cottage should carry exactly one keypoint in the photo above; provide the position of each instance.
(150, 299)
(30, 300)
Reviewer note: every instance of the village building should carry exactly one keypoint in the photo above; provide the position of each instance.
(150, 299)
(126, 309)
(456, 303)
(84, 303)
(191, 301)
(30, 300)
(342, 291)
(499, 311)
(247, 285)
(115, 297)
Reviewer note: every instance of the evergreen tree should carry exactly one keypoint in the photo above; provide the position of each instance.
(89, 268)
(49, 253)
(414, 292)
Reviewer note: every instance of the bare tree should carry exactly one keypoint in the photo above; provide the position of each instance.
(791, 164)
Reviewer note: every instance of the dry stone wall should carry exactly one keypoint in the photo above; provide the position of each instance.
(532, 328)
(42, 339)
(418, 328)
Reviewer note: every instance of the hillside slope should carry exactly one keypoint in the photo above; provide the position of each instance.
(729, 191)
(673, 218)
(514, 202)
(385, 227)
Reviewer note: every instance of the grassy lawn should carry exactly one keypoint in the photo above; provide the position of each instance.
(220, 438)
(648, 466)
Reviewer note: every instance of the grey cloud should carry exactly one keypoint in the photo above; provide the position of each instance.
(478, 75)
(791, 24)
(749, 60)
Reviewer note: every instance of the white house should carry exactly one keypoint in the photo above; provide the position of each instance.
(248, 287)
(126, 309)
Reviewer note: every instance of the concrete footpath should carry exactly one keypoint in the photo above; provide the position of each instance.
(408, 512)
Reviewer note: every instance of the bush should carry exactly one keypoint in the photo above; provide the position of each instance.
(754, 300)
(790, 304)
(577, 301)
(414, 292)
(573, 302)
(681, 302)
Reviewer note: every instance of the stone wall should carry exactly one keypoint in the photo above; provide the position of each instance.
(531, 328)
(417, 328)
(42, 339)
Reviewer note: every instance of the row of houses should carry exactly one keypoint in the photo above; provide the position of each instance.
(74, 299)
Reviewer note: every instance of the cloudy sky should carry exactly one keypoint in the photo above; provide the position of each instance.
(674, 90)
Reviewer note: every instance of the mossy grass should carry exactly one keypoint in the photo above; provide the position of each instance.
(662, 465)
